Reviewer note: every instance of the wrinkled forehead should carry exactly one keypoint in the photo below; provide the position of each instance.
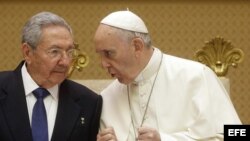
(107, 39)
(105, 32)
(106, 29)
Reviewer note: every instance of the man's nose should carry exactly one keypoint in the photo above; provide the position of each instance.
(65, 59)
(104, 63)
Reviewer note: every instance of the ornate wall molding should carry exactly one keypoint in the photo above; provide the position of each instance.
(219, 55)
(81, 61)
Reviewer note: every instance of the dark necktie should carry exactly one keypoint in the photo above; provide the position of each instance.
(39, 123)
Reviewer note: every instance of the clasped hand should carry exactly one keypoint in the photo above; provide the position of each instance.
(144, 134)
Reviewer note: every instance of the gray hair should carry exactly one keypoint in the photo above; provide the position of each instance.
(32, 30)
(129, 35)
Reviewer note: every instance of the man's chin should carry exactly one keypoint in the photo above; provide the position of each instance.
(59, 75)
(122, 81)
(56, 82)
(57, 79)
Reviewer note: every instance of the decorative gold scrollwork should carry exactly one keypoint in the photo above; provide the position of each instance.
(219, 54)
(79, 62)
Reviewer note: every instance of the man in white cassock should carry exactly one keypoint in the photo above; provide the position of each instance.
(156, 96)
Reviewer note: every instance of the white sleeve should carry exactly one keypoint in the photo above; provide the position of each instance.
(183, 136)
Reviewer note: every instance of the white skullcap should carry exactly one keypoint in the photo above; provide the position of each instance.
(125, 20)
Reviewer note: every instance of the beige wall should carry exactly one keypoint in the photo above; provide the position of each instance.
(177, 27)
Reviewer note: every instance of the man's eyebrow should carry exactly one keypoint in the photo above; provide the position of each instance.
(54, 47)
(59, 47)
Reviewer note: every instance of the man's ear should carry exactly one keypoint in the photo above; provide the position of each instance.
(138, 44)
(27, 52)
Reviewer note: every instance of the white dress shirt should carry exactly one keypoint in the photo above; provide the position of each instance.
(50, 102)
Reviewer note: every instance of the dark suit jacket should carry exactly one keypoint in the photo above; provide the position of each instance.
(75, 103)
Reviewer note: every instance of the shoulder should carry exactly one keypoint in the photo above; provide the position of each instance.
(185, 70)
(78, 90)
(5, 76)
(174, 60)
(177, 64)
(114, 89)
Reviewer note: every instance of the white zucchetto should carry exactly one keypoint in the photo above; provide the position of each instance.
(125, 20)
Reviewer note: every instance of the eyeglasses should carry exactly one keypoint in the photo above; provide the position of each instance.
(57, 53)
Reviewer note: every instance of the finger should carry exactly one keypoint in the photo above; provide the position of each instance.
(108, 130)
(106, 137)
(143, 130)
(146, 133)
(107, 134)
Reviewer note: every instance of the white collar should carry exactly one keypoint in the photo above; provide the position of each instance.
(151, 67)
(30, 85)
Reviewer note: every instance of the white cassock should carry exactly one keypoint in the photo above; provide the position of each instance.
(188, 102)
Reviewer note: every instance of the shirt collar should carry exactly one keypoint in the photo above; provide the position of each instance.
(151, 67)
(30, 85)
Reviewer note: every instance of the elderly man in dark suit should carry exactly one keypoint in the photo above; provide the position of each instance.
(37, 102)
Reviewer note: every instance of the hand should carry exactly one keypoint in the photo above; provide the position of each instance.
(148, 134)
(108, 134)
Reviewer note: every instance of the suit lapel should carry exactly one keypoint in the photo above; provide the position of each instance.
(15, 106)
(67, 114)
